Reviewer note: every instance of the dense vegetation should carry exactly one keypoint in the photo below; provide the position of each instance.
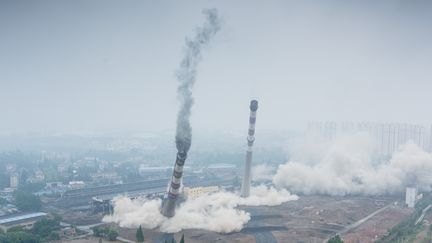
(18, 237)
(335, 239)
(407, 229)
(26, 201)
(31, 187)
(46, 228)
(105, 232)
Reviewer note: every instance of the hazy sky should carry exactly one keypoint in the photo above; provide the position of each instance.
(109, 65)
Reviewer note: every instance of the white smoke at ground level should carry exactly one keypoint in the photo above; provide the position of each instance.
(131, 213)
(346, 167)
(217, 212)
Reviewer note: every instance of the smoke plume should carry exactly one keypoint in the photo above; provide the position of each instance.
(186, 76)
(347, 166)
(217, 212)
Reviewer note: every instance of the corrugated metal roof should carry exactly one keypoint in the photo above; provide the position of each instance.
(21, 217)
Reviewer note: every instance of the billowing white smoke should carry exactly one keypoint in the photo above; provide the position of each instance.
(215, 212)
(346, 166)
(263, 172)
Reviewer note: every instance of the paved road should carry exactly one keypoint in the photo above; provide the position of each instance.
(424, 211)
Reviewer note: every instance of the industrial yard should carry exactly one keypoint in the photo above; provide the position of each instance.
(309, 219)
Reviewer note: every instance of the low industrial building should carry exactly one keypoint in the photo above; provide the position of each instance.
(194, 192)
(221, 170)
(77, 185)
(25, 220)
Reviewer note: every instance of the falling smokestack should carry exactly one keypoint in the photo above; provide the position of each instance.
(250, 141)
(168, 207)
(186, 76)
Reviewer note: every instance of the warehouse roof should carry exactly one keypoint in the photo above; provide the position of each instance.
(11, 219)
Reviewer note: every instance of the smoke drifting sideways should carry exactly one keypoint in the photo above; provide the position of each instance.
(347, 166)
(217, 212)
(186, 76)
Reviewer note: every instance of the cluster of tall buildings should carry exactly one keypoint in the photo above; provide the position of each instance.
(388, 136)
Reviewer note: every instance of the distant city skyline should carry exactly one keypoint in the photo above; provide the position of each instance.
(96, 66)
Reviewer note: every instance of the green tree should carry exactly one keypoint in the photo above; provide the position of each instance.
(106, 232)
(97, 231)
(31, 187)
(26, 201)
(335, 239)
(139, 235)
(45, 228)
(18, 237)
(53, 236)
(182, 239)
(112, 235)
(16, 229)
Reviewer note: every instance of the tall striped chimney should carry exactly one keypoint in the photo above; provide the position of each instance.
(169, 203)
(245, 189)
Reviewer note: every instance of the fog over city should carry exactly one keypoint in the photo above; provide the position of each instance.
(203, 121)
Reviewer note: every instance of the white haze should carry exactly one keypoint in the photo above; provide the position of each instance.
(346, 166)
(262, 172)
(217, 212)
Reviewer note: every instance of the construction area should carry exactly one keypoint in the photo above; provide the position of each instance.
(309, 219)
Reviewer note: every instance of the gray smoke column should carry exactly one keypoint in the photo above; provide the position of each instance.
(186, 76)
(245, 189)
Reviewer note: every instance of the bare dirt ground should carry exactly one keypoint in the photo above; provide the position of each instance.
(377, 226)
(310, 219)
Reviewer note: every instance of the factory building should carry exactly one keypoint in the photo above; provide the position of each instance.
(194, 192)
(26, 220)
(77, 185)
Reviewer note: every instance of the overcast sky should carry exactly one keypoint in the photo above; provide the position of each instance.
(70, 66)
